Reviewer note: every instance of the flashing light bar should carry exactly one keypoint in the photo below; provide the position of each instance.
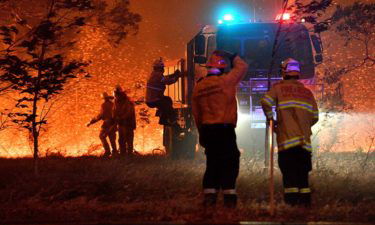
(285, 16)
(228, 17)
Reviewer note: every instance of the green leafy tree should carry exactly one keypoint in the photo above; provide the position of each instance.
(35, 40)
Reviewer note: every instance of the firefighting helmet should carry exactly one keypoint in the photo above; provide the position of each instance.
(118, 90)
(217, 61)
(290, 67)
(158, 64)
(105, 95)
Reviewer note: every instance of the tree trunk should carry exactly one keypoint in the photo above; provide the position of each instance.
(35, 127)
(35, 133)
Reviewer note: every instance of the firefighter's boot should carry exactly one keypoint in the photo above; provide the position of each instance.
(106, 154)
(305, 199)
(230, 200)
(115, 154)
(291, 199)
(210, 199)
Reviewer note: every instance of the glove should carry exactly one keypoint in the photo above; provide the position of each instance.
(178, 73)
(226, 54)
(274, 124)
(88, 124)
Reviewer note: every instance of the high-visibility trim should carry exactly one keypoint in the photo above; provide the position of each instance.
(316, 114)
(305, 190)
(268, 100)
(229, 192)
(307, 147)
(210, 191)
(291, 190)
(155, 88)
(299, 140)
(291, 143)
(296, 104)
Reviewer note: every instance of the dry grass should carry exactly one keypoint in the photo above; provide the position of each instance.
(159, 189)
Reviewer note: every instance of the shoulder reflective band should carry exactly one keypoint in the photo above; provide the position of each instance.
(209, 191)
(304, 190)
(291, 190)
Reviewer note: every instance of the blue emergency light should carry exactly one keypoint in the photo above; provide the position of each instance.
(227, 18)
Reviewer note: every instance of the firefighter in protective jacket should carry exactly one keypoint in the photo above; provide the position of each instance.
(297, 112)
(124, 116)
(155, 98)
(108, 127)
(215, 113)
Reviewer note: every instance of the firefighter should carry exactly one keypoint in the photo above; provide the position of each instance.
(297, 112)
(108, 126)
(124, 115)
(155, 98)
(215, 113)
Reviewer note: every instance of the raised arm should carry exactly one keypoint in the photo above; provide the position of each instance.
(238, 71)
(96, 118)
(170, 79)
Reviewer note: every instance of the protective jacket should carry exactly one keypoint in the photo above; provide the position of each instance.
(296, 111)
(156, 84)
(106, 114)
(214, 96)
(124, 112)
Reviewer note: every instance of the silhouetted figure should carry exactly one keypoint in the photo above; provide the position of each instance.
(155, 98)
(124, 115)
(108, 128)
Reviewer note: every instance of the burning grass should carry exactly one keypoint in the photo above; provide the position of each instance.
(154, 188)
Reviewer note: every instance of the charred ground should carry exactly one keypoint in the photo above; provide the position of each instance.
(154, 188)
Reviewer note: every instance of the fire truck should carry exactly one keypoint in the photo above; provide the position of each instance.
(253, 42)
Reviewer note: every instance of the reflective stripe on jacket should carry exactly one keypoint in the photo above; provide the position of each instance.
(214, 97)
(296, 110)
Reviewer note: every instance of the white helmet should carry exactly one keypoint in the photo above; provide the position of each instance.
(290, 67)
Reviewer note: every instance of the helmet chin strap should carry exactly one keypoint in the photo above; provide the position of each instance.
(213, 71)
